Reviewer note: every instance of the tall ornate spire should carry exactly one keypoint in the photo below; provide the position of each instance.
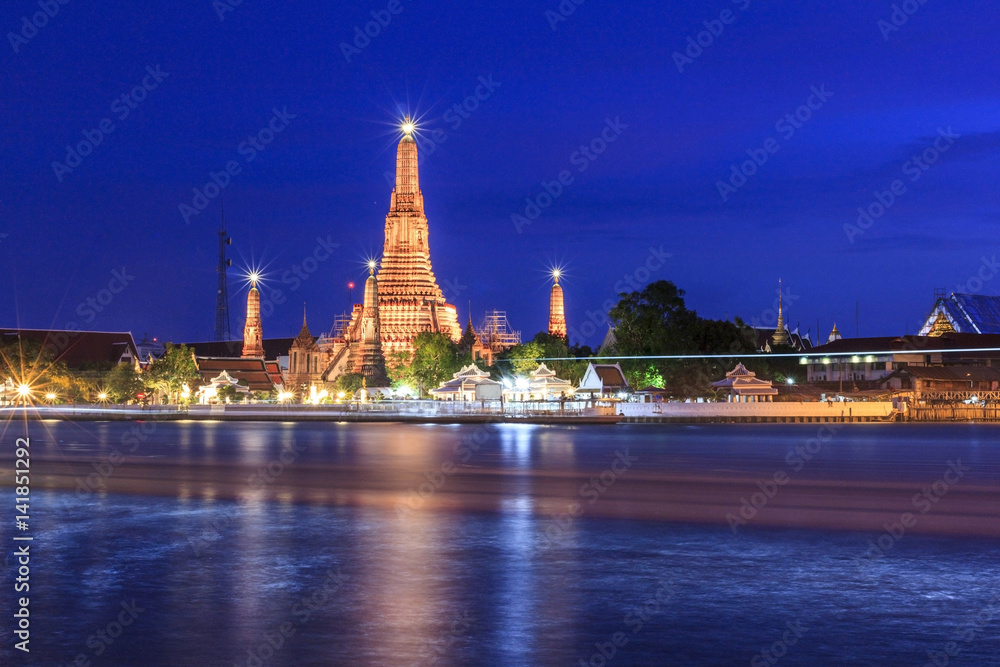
(780, 333)
(253, 335)
(410, 299)
(557, 310)
(371, 362)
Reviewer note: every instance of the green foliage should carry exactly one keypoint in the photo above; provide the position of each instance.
(435, 359)
(656, 322)
(27, 361)
(523, 359)
(348, 383)
(173, 370)
(122, 383)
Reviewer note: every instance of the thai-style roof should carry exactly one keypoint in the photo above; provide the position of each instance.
(542, 371)
(603, 378)
(745, 382)
(77, 348)
(253, 370)
(740, 371)
(464, 380)
(273, 348)
(966, 313)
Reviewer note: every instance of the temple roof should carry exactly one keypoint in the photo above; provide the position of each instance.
(77, 348)
(967, 313)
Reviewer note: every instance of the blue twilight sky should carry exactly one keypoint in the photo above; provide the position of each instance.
(683, 116)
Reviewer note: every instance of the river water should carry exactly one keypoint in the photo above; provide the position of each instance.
(390, 544)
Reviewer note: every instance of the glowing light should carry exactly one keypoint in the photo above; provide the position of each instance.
(521, 383)
(102, 396)
(254, 278)
(556, 273)
(341, 394)
(23, 391)
(855, 359)
(790, 381)
(50, 396)
(804, 360)
(407, 126)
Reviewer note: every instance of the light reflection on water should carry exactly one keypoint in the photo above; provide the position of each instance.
(216, 577)
(407, 580)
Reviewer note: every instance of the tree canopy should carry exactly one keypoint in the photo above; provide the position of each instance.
(173, 370)
(655, 321)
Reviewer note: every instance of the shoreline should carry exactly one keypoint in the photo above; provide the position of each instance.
(379, 414)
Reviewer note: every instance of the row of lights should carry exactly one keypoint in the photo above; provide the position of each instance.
(868, 358)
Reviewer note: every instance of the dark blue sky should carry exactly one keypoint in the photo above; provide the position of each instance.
(655, 186)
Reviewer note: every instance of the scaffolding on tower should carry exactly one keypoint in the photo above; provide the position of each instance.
(496, 332)
(341, 325)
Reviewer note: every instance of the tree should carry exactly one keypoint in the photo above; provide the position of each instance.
(27, 361)
(656, 322)
(348, 383)
(122, 383)
(524, 357)
(435, 359)
(173, 370)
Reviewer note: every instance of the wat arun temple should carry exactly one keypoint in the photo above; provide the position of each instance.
(405, 299)
(402, 301)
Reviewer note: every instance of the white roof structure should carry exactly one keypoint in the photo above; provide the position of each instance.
(469, 384)
(742, 382)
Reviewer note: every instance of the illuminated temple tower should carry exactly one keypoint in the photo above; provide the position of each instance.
(409, 298)
(557, 309)
(369, 360)
(253, 337)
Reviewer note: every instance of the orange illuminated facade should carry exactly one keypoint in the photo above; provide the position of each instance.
(253, 336)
